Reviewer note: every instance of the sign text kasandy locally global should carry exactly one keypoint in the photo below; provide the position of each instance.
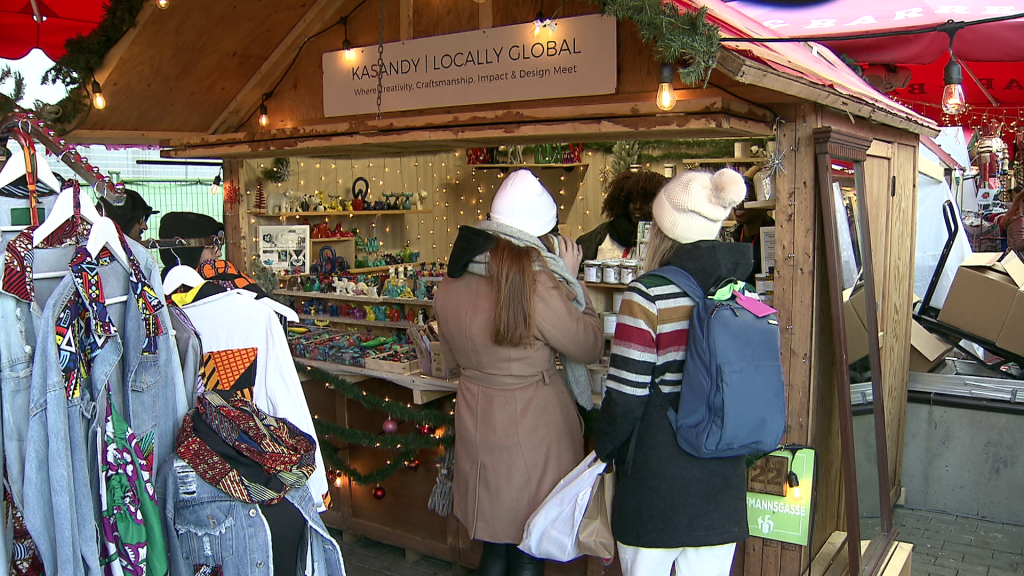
(496, 65)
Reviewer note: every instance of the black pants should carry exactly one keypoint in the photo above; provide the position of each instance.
(508, 560)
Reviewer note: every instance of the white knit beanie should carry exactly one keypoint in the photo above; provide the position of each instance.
(692, 206)
(522, 202)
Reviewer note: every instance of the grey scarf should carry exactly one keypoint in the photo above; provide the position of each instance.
(577, 376)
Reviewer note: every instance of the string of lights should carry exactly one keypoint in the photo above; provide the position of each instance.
(264, 118)
(948, 27)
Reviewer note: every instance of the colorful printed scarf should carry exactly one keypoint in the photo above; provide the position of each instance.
(283, 451)
(133, 539)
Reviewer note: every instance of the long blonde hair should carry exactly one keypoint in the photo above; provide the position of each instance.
(659, 250)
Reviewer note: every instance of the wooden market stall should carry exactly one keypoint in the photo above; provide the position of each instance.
(196, 75)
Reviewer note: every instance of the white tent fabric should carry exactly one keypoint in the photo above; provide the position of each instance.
(931, 237)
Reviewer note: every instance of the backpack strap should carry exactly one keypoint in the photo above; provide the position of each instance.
(682, 279)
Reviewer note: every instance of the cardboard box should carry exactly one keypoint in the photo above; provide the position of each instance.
(1011, 337)
(441, 367)
(856, 331)
(926, 349)
(983, 292)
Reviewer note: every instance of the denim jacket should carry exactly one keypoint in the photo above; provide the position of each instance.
(206, 527)
(61, 466)
(17, 345)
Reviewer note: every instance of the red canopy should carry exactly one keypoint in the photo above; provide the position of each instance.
(45, 24)
(993, 52)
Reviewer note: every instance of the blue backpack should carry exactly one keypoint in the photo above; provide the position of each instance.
(733, 399)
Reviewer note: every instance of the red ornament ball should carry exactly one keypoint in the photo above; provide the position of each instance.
(390, 426)
(412, 464)
(379, 493)
(427, 430)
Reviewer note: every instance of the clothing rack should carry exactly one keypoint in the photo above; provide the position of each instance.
(25, 127)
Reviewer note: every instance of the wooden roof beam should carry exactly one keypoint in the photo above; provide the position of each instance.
(632, 127)
(320, 15)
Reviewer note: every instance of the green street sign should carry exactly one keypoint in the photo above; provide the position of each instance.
(785, 518)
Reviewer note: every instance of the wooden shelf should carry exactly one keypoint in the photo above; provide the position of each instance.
(513, 166)
(353, 298)
(354, 322)
(721, 161)
(762, 204)
(609, 286)
(415, 381)
(344, 213)
(372, 270)
(315, 240)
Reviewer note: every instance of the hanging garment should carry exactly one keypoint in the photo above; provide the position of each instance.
(234, 467)
(132, 532)
(83, 349)
(21, 305)
(246, 352)
(190, 351)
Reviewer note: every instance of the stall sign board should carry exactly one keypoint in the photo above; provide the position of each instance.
(779, 514)
(285, 249)
(504, 64)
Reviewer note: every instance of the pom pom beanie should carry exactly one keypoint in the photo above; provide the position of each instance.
(692, 206)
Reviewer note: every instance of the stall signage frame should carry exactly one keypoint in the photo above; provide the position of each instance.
(285, 249)
(784, 518)
(504, 64)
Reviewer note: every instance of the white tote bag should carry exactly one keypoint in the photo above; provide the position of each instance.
(552, 529)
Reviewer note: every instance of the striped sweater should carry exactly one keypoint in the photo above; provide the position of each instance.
(650, 337)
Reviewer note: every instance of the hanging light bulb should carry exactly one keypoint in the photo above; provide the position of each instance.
(264, 118)
(163, 4)
(347, 52)
(215, 187)
(666, 95)
(794, 484)
(953, 101)
(538, 24)
(98, 101)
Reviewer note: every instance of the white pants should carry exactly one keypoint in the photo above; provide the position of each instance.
(704, 561)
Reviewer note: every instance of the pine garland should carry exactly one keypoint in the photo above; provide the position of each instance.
(408, 445)
(9, 101)
(414, 441)
(84, 55)
(332, 460)
(392, 408)
(677, 36)
(277, 172)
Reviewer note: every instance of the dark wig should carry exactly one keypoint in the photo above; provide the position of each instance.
(642, 186)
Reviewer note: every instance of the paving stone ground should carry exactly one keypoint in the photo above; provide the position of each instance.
(944, 545)
(365, 557)
(948, 545)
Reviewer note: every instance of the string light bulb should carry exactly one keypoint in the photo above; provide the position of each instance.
(541, 22)
(163, 4)
(666, 94)
(347, 53)
(953, 100)
(264, 117)
(793, 481)
(98, 100)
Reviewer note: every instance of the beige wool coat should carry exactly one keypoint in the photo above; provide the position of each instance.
(517, 431)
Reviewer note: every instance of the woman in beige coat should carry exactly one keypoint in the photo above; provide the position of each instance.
(503, 316)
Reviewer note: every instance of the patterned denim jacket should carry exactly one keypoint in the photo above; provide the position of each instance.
(209, 530)
(61, 469)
